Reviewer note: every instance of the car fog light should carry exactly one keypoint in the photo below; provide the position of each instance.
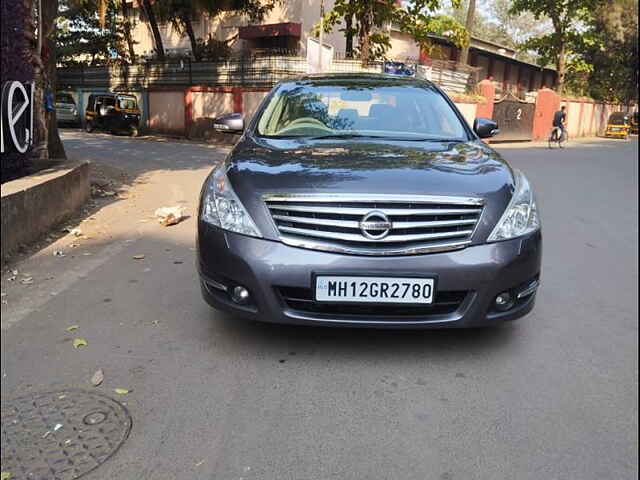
(240, 295)
(504, 301)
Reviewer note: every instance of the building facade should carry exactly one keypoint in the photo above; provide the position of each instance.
(290, 23)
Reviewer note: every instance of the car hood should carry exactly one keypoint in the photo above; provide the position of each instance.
(261, 166)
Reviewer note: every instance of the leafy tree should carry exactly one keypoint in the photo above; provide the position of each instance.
(609, 54)
(180, 13)
(567, 17)
(417, 18)
(80, 39)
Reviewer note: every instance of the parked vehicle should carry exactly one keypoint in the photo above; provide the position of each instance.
(618, 125)
(367, 200)
(66, 110)
(113, 112)
(634, 123)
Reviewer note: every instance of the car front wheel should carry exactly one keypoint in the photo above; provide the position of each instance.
(88, 127)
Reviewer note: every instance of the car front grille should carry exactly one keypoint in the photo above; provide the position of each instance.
(301, 300)
(375, 225)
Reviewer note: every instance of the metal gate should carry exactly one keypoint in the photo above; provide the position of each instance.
(514, 117)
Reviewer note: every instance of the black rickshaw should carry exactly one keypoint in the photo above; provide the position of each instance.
(113, 112)
(618, 125)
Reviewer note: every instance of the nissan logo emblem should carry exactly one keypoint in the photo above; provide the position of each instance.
(375, 225)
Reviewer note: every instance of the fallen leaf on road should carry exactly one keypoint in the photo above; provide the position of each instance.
(79, 342)
(71, 328)
(138, 257)
(27, 281)
(170, 215)
(97, 378)
(121, 391)
(6, 475)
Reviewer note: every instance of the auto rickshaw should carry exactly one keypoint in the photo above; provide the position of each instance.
(618, 125)
(113, 112)
(634, 123)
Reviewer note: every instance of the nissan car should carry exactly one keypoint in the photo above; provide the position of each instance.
(366, 200)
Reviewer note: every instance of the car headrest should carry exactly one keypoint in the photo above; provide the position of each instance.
(381, 110)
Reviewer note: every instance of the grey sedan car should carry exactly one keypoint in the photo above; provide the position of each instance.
(66, 110)
(367, 200)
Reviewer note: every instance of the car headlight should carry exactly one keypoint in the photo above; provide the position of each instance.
(222, 207)
(521, 215)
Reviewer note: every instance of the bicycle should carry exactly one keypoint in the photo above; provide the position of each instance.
(556, 137)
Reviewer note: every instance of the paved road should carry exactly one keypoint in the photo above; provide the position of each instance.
(553, 396)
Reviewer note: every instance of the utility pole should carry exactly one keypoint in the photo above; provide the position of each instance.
(321, 37)
(471, 14)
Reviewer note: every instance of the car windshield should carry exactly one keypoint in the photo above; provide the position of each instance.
(126, 103)
(387, 109)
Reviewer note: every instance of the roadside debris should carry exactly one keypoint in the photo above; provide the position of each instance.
(121, 391)
(79, 342)
(6, 475)
(140, 256)
(72, 328)
(97, 378)
(170, 215)
(59, 253)
(26, 281)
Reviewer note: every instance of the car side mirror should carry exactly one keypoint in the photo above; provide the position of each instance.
(485, 127)
(229, 123)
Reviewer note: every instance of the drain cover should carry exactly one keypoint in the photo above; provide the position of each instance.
(60, 435)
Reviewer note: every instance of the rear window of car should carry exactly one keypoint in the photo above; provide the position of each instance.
(65, 98)
(406, 111)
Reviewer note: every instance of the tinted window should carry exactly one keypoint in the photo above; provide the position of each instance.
(382, 109)
(65, 98)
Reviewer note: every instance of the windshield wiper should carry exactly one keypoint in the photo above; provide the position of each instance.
(351, 135)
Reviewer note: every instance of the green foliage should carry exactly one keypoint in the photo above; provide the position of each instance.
(417, 19)
(81, 40)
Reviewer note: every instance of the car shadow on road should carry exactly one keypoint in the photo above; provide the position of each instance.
(363, 342)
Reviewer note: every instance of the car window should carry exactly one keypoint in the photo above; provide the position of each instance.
(65, 98)
(398, 111)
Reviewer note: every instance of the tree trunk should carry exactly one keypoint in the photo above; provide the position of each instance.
(127, 31)
(366, 23)
(561, 67)
(348, 21)
(151, 18)
(49, 14)
(188, 26)
(471, 14)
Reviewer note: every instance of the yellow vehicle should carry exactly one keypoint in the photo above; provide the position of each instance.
(634, 123)
(618, 125)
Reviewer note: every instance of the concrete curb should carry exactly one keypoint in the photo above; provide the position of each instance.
(32, 205)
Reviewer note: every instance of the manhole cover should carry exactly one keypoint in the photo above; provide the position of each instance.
(60, 435)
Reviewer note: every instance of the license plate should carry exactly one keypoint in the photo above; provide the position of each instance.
(374, 289)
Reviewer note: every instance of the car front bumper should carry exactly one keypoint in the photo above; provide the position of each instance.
(279, 280)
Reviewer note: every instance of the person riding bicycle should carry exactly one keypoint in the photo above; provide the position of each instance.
(559, 118)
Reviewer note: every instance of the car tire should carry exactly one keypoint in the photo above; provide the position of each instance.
(88, 126)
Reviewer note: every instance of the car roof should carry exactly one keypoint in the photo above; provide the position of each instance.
(346, 78)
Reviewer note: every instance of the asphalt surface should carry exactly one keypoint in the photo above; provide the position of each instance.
(551, 396)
